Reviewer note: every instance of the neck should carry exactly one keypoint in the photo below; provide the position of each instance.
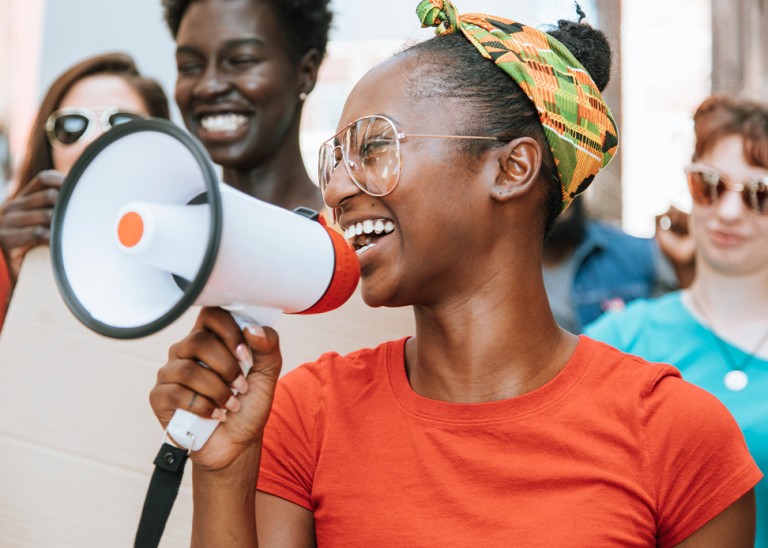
(474, 349)
(731, 298)
(281, 179)
(733, 307)
(288, 189)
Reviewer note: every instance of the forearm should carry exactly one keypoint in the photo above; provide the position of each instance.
(224, 513)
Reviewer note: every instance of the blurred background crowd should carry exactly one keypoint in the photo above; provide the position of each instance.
(699, 46)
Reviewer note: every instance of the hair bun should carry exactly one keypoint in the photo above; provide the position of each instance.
(589, 45)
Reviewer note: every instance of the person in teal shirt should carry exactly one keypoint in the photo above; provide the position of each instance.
(716, 331)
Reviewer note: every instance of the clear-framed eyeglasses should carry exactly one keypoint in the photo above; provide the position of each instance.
(369, 148)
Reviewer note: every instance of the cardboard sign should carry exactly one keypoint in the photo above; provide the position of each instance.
(77, 433)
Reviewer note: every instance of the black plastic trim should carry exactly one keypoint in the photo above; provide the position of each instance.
(195, 287)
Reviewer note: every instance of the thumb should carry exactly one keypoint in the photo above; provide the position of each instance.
(265, 349)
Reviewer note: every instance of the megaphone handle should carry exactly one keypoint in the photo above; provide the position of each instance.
(191, 431)
(260, 315)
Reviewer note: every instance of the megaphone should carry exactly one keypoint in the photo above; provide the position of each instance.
(143, 229)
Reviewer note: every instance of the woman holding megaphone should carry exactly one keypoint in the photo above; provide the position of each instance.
(492, 426)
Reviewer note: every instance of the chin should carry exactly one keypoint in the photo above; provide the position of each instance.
(378, 296)
(229, 157)
(373, 299)
(730, 263)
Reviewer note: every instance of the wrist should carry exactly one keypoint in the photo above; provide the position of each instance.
(224, 501)
(244, 466)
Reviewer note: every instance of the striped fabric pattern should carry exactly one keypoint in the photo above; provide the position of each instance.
(578, 125)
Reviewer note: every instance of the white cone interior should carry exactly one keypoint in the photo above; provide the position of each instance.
(115, 288)
(270, 260)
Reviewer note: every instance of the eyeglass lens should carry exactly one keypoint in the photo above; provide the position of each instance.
(69, 128)
(121, 118)
(370, 151)
(707, 188)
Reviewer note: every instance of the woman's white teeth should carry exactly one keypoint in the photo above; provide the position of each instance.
(222, 122)
(369, 226)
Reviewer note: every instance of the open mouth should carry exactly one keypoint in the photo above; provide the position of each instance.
(222, 123)
(365, 234)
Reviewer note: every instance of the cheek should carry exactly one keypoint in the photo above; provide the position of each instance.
(181, 93)
(261, 90)
(269, 81)
(762, 229)
(698, 221)
(64, 158)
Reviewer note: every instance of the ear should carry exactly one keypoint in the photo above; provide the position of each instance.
(519, 164)
(308, 67)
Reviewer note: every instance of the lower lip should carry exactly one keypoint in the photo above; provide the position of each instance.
(366, 256)
(725, 240)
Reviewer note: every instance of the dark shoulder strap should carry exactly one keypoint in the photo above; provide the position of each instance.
(163, 488)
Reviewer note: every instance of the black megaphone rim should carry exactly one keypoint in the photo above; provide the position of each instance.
(192, 290)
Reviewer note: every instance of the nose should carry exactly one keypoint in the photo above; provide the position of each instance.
(210, 84)
(730, 207)
(98, 131)
(340, 187)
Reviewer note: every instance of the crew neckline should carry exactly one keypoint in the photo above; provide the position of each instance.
(518, 407)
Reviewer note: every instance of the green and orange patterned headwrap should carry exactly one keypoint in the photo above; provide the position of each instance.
(578, 125)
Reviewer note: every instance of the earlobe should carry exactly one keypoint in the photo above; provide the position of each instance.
(519, 164)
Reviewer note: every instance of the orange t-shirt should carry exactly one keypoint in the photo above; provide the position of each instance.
(5, 289)
(614, 451)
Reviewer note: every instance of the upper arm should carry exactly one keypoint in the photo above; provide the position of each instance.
(734, 527)
(704, 473)
(281, 523)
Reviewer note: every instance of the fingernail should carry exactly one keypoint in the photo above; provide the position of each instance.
(233, 404)
(240, 384)
(219, 415)
(244, 355)
(254, 329)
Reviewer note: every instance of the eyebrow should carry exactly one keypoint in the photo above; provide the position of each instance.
(228, 44)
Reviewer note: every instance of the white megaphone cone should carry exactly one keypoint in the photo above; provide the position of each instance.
(143, 229)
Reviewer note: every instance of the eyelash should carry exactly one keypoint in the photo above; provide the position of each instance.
(190, 68)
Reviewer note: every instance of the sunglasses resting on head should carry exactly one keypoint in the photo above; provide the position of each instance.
(707, 185)
(69, 125)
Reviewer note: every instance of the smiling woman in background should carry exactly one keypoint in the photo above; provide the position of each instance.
(81, 104)
(716, 331)
(245, 68)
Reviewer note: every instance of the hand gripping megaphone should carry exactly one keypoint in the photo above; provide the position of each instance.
(143, 229)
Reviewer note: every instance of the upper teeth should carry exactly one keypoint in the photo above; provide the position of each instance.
(222, 122)
(369, 226)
